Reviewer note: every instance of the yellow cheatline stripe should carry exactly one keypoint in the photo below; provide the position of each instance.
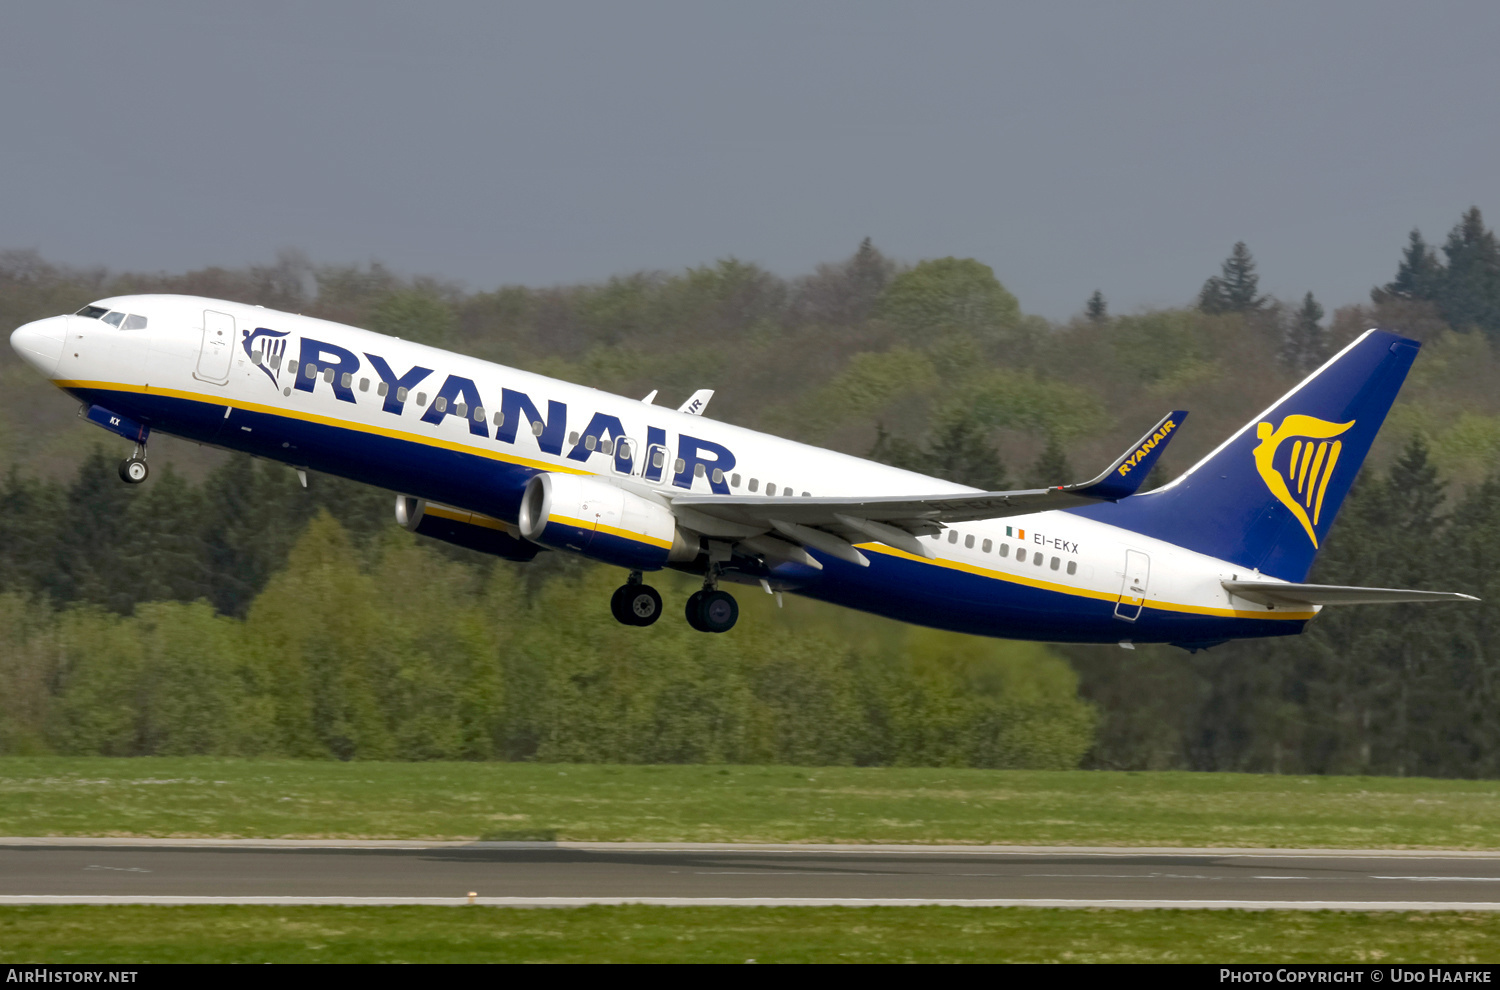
(1102, 596)
(463, 516)
(217, 400)
(624, 534)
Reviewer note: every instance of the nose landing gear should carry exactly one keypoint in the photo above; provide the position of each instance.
(133, 469)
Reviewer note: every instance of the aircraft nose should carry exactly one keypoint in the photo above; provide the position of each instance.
(40, 344)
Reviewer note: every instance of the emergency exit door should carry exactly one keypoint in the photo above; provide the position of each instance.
(217, 349)
(1133, 588)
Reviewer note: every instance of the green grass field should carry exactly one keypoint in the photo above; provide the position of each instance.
(766, 935)
(185, 797)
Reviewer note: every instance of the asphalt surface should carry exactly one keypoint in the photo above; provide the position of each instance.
(540, 874)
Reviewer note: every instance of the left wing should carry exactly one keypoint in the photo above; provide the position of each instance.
(833, 525)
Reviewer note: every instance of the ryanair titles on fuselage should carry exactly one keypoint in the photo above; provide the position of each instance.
(459, 397)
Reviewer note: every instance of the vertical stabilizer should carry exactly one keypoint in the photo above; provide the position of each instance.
(1265, 499)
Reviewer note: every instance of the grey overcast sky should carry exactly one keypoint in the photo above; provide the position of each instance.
(1118, 145)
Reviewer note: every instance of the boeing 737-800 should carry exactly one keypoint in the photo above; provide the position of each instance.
(511, 463)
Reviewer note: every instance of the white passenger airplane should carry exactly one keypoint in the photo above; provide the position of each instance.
(508, 462)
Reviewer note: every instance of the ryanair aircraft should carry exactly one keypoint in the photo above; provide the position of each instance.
(512, 463)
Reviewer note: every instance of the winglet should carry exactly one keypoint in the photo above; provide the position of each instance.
(650, 398)
(698, 402)
(1125, 476)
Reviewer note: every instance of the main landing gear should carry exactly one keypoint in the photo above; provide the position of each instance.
(634, 603)
(133, 469)
(709, 610)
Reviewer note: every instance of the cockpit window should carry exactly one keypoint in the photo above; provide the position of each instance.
(133, 322)
(92, 312)
(114, 319)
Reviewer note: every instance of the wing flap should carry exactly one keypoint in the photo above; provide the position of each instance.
(1280, 593)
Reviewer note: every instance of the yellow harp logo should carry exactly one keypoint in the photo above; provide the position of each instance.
(1311, 464)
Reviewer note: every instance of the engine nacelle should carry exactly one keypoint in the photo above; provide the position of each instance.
(591, 517)
(462, 528)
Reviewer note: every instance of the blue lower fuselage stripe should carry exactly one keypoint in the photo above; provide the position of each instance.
(901, 588)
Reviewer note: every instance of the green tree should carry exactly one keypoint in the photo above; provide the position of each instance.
(1419, 275)
(1097, 310)
(950, 294)
(1235, 288)
(1051, 467)
(1305, 342)
(414, 314)
(1471, 285)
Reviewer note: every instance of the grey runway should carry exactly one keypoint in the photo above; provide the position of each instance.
(540, 874)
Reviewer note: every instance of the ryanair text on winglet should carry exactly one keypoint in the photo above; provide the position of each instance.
(1147, 447)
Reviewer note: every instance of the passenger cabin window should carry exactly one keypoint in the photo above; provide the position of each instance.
(969, 542)
(606, 446)
(987, 545)
(734, 481)
(1037, 558)
(1020, 556)
(807, 494)
(327, 375)
(346, 380)
(441, 404)
(658, 458)
(499, 419)
(589, 441)
(460, 409)
(718, 476)
(291, 366)
(573, 438)
(383, 389)
(401, 394)
(115, 319)
(952, 536)
(479, 414)
(537, 428)
(679, 466)
(92, 312)
(699, 470)
(1056, 563)
(364, 384)
(770, 488)
(421, 398)
(133, 322)
(754, 484)
(1005, 549)
(1072, 567)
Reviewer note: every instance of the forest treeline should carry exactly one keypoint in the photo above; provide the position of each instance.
(932, 366)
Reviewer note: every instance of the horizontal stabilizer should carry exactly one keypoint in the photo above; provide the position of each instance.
(1126, 475)
(1279, 593)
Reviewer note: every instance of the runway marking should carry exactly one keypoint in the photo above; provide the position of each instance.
(1420, 879)
(561, 902)
(119, 869)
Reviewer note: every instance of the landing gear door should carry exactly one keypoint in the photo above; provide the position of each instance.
(1133, 589)
(217, 349)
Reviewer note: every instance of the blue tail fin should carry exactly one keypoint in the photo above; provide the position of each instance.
(1267, 496)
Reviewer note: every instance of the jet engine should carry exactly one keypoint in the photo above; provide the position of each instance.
(463, 528)
(599, 520)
